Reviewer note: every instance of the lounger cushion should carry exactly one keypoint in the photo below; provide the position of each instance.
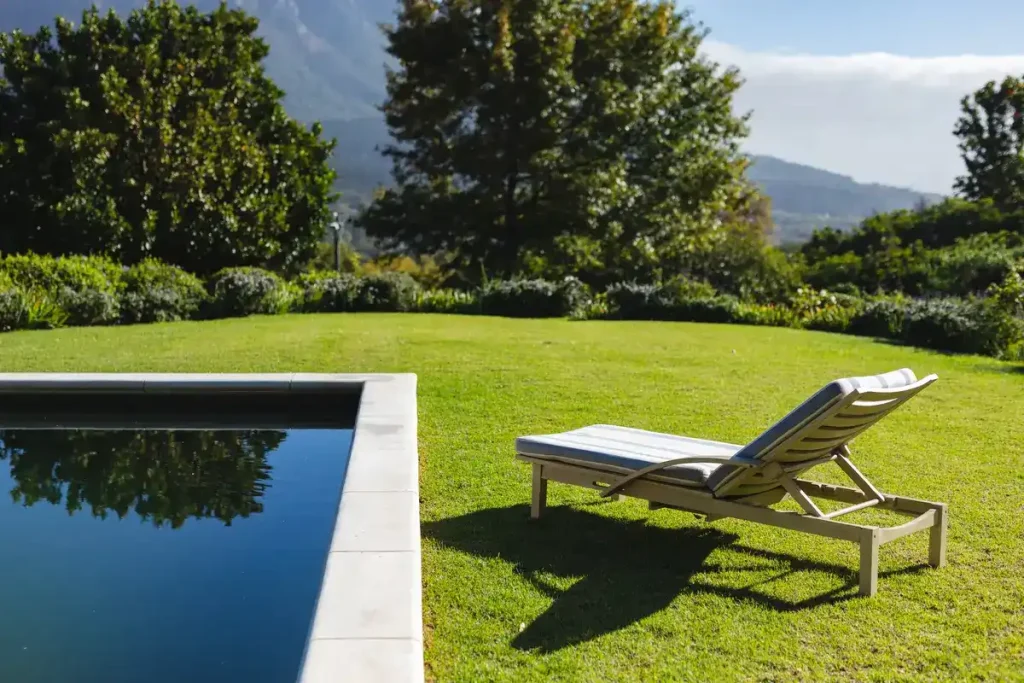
(809, 409)
(629, 449)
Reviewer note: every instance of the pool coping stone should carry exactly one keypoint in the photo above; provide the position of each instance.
(367, 624)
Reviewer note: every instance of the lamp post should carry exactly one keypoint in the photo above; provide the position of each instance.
(336, 227)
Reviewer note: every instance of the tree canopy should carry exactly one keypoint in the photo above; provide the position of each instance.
(156, 135)
(991, 140)
(587, 136)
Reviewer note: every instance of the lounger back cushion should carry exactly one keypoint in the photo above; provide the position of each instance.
(623, 449)
(812, 446)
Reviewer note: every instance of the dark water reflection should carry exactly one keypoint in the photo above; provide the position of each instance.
(160, 555)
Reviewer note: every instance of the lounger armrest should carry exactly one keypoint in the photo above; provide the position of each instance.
(720, 459)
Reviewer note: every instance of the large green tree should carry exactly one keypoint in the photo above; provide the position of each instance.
(584, 136)
(156, 134)
(991, 140)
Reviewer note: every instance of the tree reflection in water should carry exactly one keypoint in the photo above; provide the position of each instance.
(165, 477)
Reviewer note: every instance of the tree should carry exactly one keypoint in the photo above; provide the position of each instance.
(165, 477)
(565, 135)
(991, 134)
(156, 135)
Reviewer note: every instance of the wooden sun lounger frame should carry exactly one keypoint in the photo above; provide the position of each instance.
(612, 481)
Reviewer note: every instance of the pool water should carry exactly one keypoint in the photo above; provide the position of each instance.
(163, 555)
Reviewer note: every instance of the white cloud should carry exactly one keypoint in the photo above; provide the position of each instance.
(877, 117)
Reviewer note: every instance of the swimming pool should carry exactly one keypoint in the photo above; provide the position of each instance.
(171, 528)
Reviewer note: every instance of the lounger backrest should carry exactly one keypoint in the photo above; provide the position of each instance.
(817, 428)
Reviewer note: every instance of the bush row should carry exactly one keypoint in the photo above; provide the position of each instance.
(47, 292)
(983, 325)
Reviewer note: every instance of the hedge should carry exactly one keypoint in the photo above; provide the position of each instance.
(46, 292)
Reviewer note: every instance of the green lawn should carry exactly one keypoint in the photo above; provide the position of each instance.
(609, 591)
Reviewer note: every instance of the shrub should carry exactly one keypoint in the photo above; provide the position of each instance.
(532, 298)
(386, 291)
(51, 274)
(85, 288)
(158, 292)
(719, 309)
(833, 318)
(88, 307)
(963, 326)
(824, 310)
(679, 288)
(44, 313)
(326, 292)
(14, 310)
(765, 314)
(446, 301)
(239, 292)
(879, 318)
(632, 301)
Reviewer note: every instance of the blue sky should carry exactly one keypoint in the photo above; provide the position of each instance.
(916, 28)
(869, 88)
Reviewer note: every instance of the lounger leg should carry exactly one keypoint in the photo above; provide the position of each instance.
(937, 539)
(540, 492)
(869, 563)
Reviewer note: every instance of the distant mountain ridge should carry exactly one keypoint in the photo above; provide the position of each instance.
(328, 56)
(805, 198)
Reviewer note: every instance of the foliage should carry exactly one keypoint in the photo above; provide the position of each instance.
(718, 309)
(238, 292)
(88, 307)
(825, 311)
(736, 261)
(14, 309)
(85, 289)
(327, 292)
(158, 292)
(156, 135)
(633, 301)
(324, 258)
(591, 137)
(962, 326)
(969, 266)
(428, 271)
(1009, 294)
(531, 298)
(771, 315)
(52, 274)
(386, 291)
(991, 141)
(936, 226)
(446, 301)
(165, 477)
(881, 317)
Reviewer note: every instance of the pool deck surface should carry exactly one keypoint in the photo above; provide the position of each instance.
(367, 625)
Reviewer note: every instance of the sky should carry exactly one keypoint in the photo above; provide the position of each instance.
(868, 88)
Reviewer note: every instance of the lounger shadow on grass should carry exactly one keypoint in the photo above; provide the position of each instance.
(630, 570)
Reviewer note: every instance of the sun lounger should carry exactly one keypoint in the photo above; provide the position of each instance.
(721, 480)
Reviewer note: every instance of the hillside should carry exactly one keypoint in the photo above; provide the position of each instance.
(805, 198)
(329, 57)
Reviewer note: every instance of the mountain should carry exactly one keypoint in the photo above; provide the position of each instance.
(805, 198)
(328, 56)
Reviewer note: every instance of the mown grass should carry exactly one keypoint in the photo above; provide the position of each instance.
(610, 591)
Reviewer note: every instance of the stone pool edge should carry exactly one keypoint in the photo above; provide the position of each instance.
(367, 625)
